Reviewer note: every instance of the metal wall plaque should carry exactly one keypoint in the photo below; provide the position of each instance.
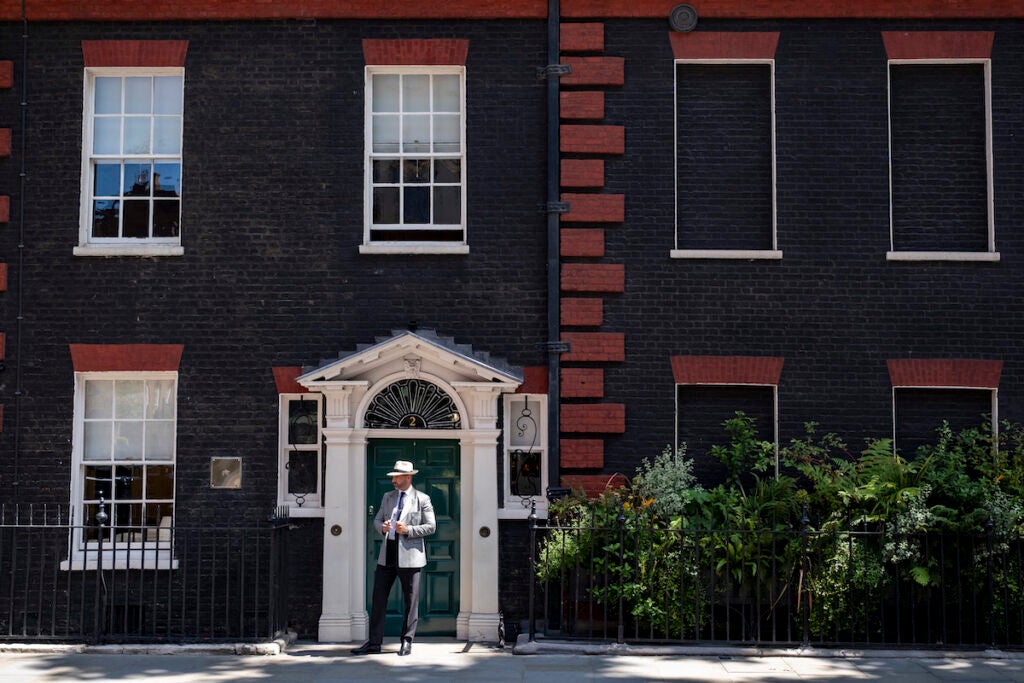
(225, 473)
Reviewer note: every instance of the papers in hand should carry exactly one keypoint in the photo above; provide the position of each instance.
(394, 523)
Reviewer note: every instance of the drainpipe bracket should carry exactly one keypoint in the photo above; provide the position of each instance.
(555, 207)
(556, 346)
(553, 70)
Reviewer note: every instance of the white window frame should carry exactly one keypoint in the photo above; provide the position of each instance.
(519, 507)
(762, 254)
(147, 553)
(411, 247)
(991, 255)
(87, 244)
(994, 407)
(775, 409)
(312, 505)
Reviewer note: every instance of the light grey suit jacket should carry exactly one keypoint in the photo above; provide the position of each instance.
(418, 516)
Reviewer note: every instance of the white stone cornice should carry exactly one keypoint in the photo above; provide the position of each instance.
(341, 397)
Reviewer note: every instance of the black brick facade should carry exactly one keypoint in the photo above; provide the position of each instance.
(273, 217)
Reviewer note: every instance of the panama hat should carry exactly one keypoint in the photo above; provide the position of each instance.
(402, 467)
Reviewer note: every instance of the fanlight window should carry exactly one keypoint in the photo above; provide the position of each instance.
(413, 404)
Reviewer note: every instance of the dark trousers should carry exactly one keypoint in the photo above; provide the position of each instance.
(383, 579)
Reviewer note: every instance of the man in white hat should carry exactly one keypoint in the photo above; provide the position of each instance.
(404, 518)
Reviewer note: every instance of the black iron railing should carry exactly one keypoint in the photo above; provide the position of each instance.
(797, 586)
(65, 582)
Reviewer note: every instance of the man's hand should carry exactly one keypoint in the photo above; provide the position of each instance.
(402, 528)
(386, 526)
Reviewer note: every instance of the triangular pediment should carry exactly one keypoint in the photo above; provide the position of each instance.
(413, 353)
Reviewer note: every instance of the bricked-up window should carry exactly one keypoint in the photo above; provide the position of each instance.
(919, 412)
(941, 169)
(702, 411)
(132, 179)
(124, 462)
(725, 159)
(415, 158)
(300, 484)
(526, 460)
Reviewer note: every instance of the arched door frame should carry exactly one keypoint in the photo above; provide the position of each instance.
(476, 389)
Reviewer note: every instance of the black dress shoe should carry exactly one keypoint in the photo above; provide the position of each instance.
(367, 649)
(406, 648)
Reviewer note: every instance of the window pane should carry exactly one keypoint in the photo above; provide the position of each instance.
(166, 215)
(166, 135)
(385, 134)
(159, 515)
(97, 441)
(107, 179)
(99, 399)
(446, 93)
(160, 398)
(160, 440)
(167, 95)
(302, 474)
(128, 440)
(108, 95)
(385, 205)
(447, 171)
(159, 482)
(130, 399)
(416, 171)
(137, 95)
(446, 133)
(524, 473)
(98, 483)
(416, 93)
(136, 135)
(385, 170)
(136, 219)
(385, 93)
(128, 482)
(136, 180)
(302, 421)
(106, 215)
(106, 135)
(522, 421)
(416, 133)
(166, 180)
(417, 205)
(447, 205)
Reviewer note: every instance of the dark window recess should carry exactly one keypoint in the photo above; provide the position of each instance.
(724, 159)
(939, 166)
(920, 412)
(704, 409)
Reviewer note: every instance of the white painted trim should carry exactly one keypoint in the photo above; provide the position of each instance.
(511, 506)
(749, 254)
(774, 252)
(313, 505)
(370, 247)
(989, 162)
(114, 246)
(413, 248)
(963, 256)
(129, 250)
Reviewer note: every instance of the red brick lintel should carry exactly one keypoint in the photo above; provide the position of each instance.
(126, 357)
(938, 44)
(134, 52)
(419, 52)
(731, 45)
(756, 370)
(964, 374)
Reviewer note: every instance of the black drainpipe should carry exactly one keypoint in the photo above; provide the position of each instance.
(554, 208)
(16, 465)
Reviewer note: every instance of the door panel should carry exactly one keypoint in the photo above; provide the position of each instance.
(438, 477)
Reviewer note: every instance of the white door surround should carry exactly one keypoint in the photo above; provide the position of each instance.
(349, 385)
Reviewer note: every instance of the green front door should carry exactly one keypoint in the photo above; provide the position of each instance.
(438, 463)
